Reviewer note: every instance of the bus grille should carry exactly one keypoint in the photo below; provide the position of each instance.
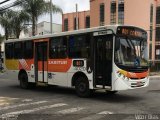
(137, 78)
(138, 84)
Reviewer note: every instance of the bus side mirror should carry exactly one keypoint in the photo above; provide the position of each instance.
(117, 44)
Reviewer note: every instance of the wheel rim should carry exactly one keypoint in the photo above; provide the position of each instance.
(82, 87)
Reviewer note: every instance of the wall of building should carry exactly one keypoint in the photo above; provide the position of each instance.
(71, 16)
(95, 12)
(42, 28)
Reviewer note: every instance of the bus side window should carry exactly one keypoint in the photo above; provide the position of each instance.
(9, 50)
(18, 50)
(58, 48)
(79, 46)
(28, 49)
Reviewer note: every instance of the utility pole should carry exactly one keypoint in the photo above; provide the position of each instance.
(77, 22)
(51, 16)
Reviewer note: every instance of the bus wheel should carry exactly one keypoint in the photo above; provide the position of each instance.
(24, 81)
(82, 87)
(111, 92)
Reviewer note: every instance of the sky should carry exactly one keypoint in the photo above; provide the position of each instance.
(67, 7)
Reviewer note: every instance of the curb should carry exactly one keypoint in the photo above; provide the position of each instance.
(154, 77)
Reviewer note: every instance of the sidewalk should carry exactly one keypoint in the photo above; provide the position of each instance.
(154, 76)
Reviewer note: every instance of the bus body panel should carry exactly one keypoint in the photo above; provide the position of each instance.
(123, 80)
(58, 78)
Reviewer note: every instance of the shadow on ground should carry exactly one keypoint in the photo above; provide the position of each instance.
(70, 93)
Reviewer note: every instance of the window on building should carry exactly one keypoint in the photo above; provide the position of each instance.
(121, 12)
(151, 14)
(157, 33)
(28, 49)
(75, 23)
(58, 48)
(151, 32)
(113, 13)
(102, 14)
(79, 46)
(151, 22)
(158, 15)
(150, 51)
(66, 24)
(87, 21)
(157, 52)
(9, 50)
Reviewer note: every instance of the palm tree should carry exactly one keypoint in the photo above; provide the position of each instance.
(18, 20)
(37, 8)
(13, 22)
(5, 22)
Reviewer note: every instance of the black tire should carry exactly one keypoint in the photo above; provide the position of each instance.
(111, 92)
(24, 81)
(82, 87)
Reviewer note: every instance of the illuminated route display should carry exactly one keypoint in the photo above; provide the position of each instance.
(131, 32)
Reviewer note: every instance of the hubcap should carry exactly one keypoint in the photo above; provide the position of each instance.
(82, 87)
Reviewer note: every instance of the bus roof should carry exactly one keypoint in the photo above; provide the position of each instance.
(111, 27)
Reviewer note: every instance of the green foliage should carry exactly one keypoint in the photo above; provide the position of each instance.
(18, 20)
(1, 38)
(30, 10)
(13, 22)
(5, 21)
(37, 8)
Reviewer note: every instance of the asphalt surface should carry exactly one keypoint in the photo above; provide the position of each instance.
(57, 103)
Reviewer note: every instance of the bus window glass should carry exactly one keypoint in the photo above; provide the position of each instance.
(28, 49)
(18, 50)
(9, 50)
(132, 52)
(58, 48)
(79, 46)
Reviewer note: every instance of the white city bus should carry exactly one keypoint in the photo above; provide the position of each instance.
(110, 58)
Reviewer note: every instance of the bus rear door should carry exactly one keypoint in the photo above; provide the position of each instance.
(41, 61)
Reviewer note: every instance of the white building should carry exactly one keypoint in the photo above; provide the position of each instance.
(42, 28)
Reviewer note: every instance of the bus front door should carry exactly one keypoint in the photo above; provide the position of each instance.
(103, 60)
(41, 66)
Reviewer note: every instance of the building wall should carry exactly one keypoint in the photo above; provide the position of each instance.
(157, 40)
(95, 12)
(42, 28)
(71, 16)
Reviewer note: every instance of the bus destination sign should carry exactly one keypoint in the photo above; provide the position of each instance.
(131, 32)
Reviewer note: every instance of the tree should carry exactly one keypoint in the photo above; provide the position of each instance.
(5, 21)
(18, 20)
(13, 22)
(37, 8)
(1, 38)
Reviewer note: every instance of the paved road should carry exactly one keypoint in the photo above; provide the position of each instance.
(62, 103)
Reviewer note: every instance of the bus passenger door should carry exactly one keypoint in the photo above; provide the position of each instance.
(103, 60)
(41, 59)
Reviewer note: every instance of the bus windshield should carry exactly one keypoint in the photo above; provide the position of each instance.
(131, 52)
